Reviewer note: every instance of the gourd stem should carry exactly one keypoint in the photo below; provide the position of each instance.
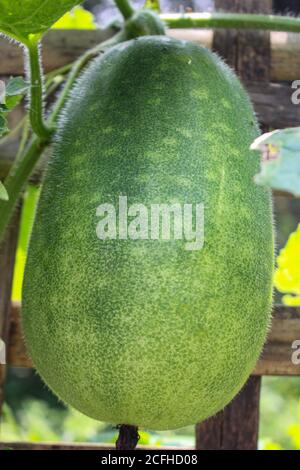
(125, 8)
(128, 437)
(232, 20)
(36, 91)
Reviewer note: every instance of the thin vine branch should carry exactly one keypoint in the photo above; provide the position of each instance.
(232, 20)
(125, 8)
(24, 139)
(60, 71)
(36, 109)
(15, 181)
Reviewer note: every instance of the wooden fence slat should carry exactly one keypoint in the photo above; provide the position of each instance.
(76, 446)
(277, 355)
(272, 104)
(59, 47)
(17, 355)
(63, 46)
(236, 427)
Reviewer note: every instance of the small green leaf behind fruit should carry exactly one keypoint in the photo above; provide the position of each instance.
(153, 5)
(11, 94)
(280, 164)
(16, 86)
(77, 18)
(3, 192)
(20, 19)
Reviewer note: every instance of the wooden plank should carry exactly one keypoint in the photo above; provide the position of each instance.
(59, 47)
(17, 355)
(248, 52)
(272, 104)
(276, 358)
(71, 446)
(7, 260)
(63, 46)
(236, 427)
(285, 50)
(285, 56)
(277, 355)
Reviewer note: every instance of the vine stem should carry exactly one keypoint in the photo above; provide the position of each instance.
(24, 139)
(36, 109)
(125, 8)
(15, 181)
(60, 71)
(232, 20)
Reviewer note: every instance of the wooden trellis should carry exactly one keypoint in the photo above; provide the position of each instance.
(266, 62)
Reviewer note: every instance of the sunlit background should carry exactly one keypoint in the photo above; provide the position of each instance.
(32, 413)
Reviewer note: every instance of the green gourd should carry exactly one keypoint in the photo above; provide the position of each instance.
(153, 332)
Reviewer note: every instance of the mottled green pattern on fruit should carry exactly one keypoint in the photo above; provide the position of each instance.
(143, 332)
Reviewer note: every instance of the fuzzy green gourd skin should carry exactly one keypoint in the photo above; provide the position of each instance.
(145, 332)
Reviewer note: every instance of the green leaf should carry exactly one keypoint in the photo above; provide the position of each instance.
(153, 5)
(78, 18)
(12, 93)
(12, 102)
(287, 274)
(3, 126)
(16, 86)
(22, 18)
(280, 164)
(3, 192)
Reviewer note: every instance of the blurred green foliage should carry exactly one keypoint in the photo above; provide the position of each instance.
(27, 217)
(36, 421)
(280, 413)
(152, 5)
(77, 18)
(287, 274)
